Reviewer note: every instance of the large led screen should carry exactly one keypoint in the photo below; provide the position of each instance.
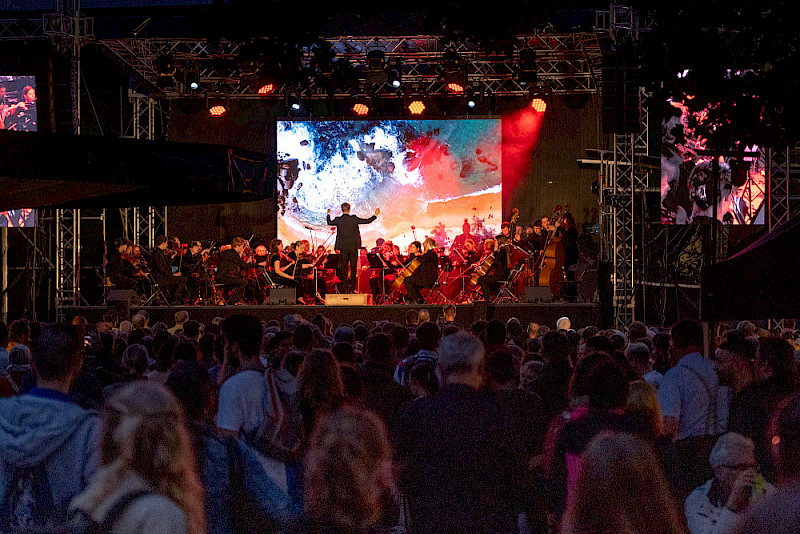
(686, 176)
(426, 176)
(18, 112)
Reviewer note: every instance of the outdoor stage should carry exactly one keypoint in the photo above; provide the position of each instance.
(581, 315)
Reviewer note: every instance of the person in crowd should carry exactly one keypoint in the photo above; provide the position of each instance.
(348, 474)
(429, 336)
(181, 317)
(319, 386)
(147, 463)
(459, 426)
(716, 506)
(422, 380)
(3, 342)
(424, 316)
(449, 315)
(638, 355)
(776, 379)
(552, 383)
(47, 442)
(688, 395)
(608, 492)
(382, 394)
(134, 365)
(637, 331)
(563, 324)
(17, 372)
(192, 330)
(607, 391)
(219, 461)
(19, 333)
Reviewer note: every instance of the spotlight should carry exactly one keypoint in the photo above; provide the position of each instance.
(454, 74)
(471, 103)
(361, 105)
(191, 80)
(416, 104)
(538, 105)
(165, 64)
(293, 101)
(376, 67)
(395, 72)
(526, 69)
(266, 88)
(217, 106)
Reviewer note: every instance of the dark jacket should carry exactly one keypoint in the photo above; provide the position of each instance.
(461, 471)
(348, 237)
(427, 272)
(230, 263)
(161, 264)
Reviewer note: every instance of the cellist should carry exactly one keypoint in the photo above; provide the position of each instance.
(425, 275)
(498, 272)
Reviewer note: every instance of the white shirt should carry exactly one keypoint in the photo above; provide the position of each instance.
(702, 517)
(243, 404)
(685, 395)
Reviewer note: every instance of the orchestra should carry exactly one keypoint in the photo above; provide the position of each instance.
(472, 268)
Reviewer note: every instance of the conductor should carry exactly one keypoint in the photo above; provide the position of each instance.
(348, 241)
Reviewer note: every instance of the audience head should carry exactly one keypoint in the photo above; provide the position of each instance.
(533, 329)
(181, 317)
(639, 356)
(500, 370)
(242, 336)
(449, 312)
(608, 496)
(20, 331)
(732, 454)
(461, 355)
(775, 358)
(686, 336)
(563, 324)
(57, 354)
(319, 381)
(643, 408)
(412, 318)
(144, 432)
(193, 387)
(429, 336)
(19, 355)
(139, 321)
(636, 331)
(495, 333)
(348, 471)
(185, 351)
(378, 348)
(424, 316)
(607, 387)
(733, 358)
(555, 349)
(422, 380)
(344, 334)
(746, 327)
(191, 329)
(134, 359)
(303, 337)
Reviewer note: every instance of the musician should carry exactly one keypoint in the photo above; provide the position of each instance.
(535, 237)
(162, 272)
(283, 269)
(505, 234)
(305, 271)
(498, 273)
(464, 236)
(348, 242)
(190, 267)
(230, 270)
(118, 269)
(569, 238)
(425, 275)
(387, 275)
(470, 253)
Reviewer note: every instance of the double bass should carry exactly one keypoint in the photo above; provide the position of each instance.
(551, 262)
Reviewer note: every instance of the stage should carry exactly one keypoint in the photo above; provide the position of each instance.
(582, 314)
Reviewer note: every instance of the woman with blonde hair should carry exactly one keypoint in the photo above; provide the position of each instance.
(621, 488)
(320, 386)
(146, 453)
(348, 480)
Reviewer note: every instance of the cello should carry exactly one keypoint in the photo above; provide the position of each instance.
(551, 262)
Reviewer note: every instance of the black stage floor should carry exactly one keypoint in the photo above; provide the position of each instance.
(582, 314)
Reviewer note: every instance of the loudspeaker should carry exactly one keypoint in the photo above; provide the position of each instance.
(620, 95)
(122, 300)
(127, 296)
(537, 294)
(347, 299)
(281, 295)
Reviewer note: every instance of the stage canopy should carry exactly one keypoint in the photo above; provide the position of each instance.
(39, 170)
(760, 282)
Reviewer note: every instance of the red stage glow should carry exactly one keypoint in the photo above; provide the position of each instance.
(538, 105)
(360, 109)
(455, 87)
(520, 135)
(266, 89)
(417, 107)
(217, 111)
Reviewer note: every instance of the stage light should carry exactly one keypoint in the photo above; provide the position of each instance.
(294, 102)
(376, 67)
(395, 72)
(217, 106)
(361, 105)
(454, 73)
(191, 80)
(471, 103)
(416, 107)
(165, 65)
(527, 71)
(295, 106)
(266, 89)
(539, 105)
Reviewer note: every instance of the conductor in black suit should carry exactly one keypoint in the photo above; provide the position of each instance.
(348, 241)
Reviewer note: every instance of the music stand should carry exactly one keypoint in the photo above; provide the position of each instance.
(376, 261)
(332, 262)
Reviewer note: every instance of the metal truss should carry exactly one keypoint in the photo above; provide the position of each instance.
(566, 63)
(68, 229)
(622, 232)
(143, 224)
(778, 173)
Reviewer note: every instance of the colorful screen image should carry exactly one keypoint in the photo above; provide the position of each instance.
(426, 176)
(686, 176)
(18, 112)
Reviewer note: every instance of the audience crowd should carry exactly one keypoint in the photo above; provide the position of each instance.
(292, 426)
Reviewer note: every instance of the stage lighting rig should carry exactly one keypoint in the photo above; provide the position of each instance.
(416, 104)
(166, 67)
(454, 72)
(394, 71)
(376, 67)
(294, 102)
(191, 80)
(527, 72)
(217, 105)
(361, 105)
(539, 99)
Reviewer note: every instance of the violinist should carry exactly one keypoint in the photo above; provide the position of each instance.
(470, 253)
(230, 270)
(498, 273)
(163, 273)
(425, 275)
(306, 264)
(283, 268)
(388, 274)
(190, 266)
(569, 238)
(505, 234)
(119, 269)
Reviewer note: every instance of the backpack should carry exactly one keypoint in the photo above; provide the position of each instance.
(30, 508)
(282, 433)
